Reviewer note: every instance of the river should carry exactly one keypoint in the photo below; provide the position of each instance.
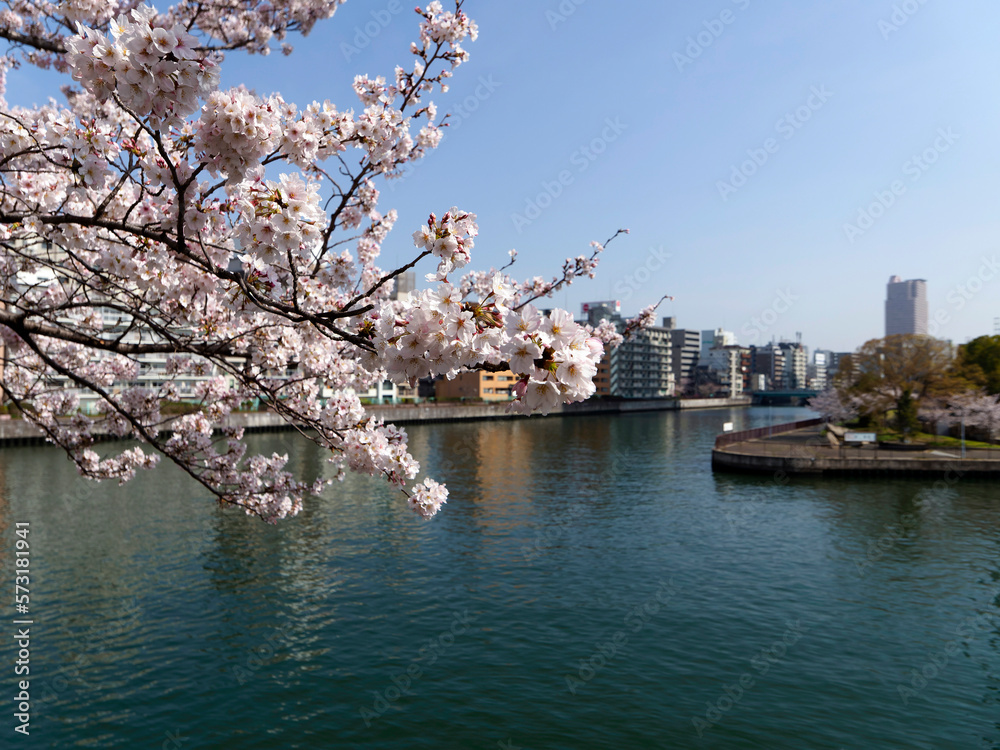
(590, 584)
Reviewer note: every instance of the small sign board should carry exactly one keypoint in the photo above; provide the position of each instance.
(727, 427)
(860, 437)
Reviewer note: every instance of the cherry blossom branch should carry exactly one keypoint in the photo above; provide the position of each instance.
(573, 267)
(29, 40)
(141, 219)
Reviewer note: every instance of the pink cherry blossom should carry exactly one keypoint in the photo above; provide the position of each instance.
(164, 240)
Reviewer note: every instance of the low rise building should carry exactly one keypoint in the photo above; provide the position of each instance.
(477, 385)
(602, 380)
(727, 367)
(714, 339)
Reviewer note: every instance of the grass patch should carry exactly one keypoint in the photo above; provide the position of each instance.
(934, 441)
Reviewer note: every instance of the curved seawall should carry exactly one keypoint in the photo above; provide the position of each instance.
(801, 448)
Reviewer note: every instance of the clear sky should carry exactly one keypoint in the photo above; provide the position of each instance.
(742, 142)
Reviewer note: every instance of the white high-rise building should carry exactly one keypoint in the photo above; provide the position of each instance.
(906, 307)
(816, 373)
(641, 366)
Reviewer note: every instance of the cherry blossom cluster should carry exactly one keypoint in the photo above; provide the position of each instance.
(277, 218)
(428, 497)
(368, 247)
(250, 25)
(377, 448)
(317, 133)
(555, 358)
(441, 27)
(608, 333)
(438, 332)
(236, 131)
(254, 25)
(835, 406)
(976, 409)
(259, 485)
(89, 12)
(157, 72)
(121, 467)
(451, 239)
(385, 134)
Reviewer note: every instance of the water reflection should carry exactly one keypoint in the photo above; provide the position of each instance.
(556, 529)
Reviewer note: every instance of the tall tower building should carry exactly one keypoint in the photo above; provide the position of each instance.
(906, 306)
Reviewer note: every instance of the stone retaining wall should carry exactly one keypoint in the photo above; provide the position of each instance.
(20, 432)
(723, 460)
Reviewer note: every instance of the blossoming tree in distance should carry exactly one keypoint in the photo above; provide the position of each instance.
(237, 237)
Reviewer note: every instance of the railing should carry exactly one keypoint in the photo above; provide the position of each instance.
(728, 438)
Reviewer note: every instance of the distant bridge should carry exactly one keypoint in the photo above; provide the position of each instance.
(782, 398)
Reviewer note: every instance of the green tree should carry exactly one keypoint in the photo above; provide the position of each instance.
(897, 373)
(906, 414)
(979, 362)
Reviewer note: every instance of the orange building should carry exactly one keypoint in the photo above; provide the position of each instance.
(477, 385)
(602, 380)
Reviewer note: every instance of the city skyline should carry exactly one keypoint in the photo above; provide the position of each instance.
(910, 315)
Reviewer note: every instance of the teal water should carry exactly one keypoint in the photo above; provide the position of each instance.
(590, 584)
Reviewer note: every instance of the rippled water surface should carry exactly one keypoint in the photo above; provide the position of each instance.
(590, 584)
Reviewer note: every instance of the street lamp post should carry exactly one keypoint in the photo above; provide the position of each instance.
(963, 435)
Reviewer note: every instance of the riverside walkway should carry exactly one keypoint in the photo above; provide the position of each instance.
(802, 448)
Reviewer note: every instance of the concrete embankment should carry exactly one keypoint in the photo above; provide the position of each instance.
(430, 412)
(801, 448)
(20, 432)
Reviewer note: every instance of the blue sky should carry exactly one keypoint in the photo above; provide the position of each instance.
(744, 144)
